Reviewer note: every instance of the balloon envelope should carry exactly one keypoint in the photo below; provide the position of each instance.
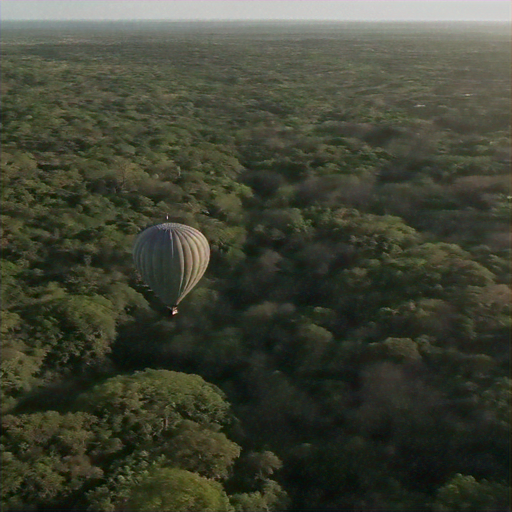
(171, 258)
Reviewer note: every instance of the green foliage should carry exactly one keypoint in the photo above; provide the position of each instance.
(465, 493)
(356, 309)
(88, 324)
(398, 349)
(203, 451)
(345, 471)
(138, 407)
(177, 489)
(45, 457)
(123, 475)
(270, 498)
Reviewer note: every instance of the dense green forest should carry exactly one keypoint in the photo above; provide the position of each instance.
(348, 346)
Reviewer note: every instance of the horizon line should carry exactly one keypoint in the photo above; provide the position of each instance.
(206, 20)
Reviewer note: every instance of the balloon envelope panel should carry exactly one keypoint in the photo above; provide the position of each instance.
(171, 258)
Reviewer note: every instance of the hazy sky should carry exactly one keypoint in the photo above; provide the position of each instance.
(381, 10)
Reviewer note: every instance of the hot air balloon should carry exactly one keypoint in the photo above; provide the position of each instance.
(171, 259)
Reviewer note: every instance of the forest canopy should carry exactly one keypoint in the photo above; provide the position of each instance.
(348, 347)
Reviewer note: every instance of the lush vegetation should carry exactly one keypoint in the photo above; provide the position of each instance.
(348, 347)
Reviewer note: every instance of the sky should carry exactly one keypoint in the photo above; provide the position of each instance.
(333, 10)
